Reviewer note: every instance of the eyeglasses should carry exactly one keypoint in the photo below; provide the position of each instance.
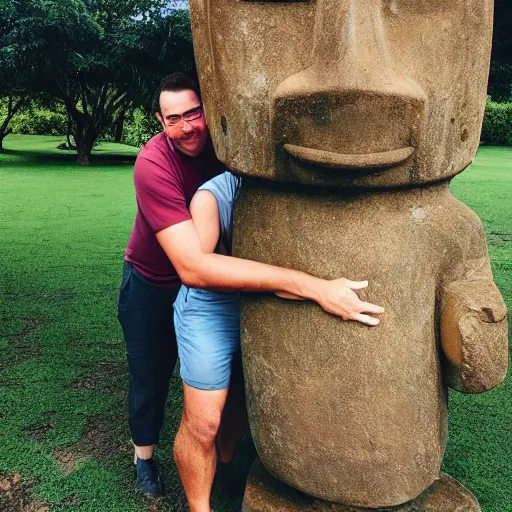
(189, 115)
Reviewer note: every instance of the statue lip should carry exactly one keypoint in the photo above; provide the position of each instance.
(334, 160)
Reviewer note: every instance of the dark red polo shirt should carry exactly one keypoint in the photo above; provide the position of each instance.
(165, 181)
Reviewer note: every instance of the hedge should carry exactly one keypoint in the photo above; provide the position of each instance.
(39, 122)
(497, 127)
(139, 127)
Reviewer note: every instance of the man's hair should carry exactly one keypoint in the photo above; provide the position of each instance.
(175, 82)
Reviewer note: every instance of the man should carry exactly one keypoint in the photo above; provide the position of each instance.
(164, 251)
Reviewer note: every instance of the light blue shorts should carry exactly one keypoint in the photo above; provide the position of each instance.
(208, 333)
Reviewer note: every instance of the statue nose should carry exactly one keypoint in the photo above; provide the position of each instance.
(350, 53)
(351, 99)
(350, 41)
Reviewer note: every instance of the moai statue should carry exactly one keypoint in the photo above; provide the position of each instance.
(347, 120)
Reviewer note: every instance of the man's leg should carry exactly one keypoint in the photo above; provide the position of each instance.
(194, 446)
(145, 314)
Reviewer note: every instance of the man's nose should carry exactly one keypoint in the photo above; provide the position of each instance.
(185, 126)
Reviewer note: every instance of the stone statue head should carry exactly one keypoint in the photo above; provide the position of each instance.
(371, 93)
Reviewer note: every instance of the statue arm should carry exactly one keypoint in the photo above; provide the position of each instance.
(473, 330)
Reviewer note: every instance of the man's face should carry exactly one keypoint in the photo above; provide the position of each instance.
(189, 136)
(344, 92)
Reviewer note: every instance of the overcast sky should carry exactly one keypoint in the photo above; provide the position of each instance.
(177, 4)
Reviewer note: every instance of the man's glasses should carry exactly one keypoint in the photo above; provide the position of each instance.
(189, 115)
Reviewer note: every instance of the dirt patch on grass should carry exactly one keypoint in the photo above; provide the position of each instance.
(100, 439)
(106, 376)
(23, 344)
(31, 324)
(38, 432)
(15, 495)
(103, 437)
(68, 460)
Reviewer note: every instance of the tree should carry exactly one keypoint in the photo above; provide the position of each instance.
(98, 57)
(500, 78)
(13, 96)
(9, 107)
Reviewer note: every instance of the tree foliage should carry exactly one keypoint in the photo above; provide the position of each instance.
(500, 79)
(98, 57)
(103, 58)
(12, 84)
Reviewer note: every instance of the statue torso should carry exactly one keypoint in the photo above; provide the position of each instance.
(375, 395)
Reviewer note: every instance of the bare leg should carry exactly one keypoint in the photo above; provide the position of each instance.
(194, 446)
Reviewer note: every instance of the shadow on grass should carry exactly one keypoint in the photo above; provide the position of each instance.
(42, 151)
(67, 159)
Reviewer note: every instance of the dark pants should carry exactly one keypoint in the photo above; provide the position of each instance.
(146, 316)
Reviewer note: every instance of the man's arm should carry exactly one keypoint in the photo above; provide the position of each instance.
(200, 269)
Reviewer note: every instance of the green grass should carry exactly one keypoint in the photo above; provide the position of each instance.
(63, 382)
(479, 450)
(63, 387)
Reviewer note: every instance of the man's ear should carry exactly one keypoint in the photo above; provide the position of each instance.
(160, 119)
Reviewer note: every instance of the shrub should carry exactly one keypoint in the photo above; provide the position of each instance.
(40, 122)
(500, 82)
(139, 127)
(497, 127)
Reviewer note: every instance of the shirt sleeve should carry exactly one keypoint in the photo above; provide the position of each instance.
(160, 195)
(224, 187)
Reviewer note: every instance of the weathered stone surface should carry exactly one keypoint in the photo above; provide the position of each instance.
(264, 493)
(353, 77)
(346, 412)
(347, 119)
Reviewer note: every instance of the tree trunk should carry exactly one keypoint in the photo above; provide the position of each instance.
(69, 129)
(83, 155)
(85, 136)
(13, 106)
(119, 126)
(2, 137)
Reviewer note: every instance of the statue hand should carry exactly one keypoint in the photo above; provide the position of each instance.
(473, 335)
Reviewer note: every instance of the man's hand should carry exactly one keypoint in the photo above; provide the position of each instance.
(339, 298)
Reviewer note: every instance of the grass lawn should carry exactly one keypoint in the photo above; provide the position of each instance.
(64, 440)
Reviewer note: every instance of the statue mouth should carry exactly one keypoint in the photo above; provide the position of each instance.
(342, 161)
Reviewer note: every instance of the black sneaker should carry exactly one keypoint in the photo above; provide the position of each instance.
(148, 478)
